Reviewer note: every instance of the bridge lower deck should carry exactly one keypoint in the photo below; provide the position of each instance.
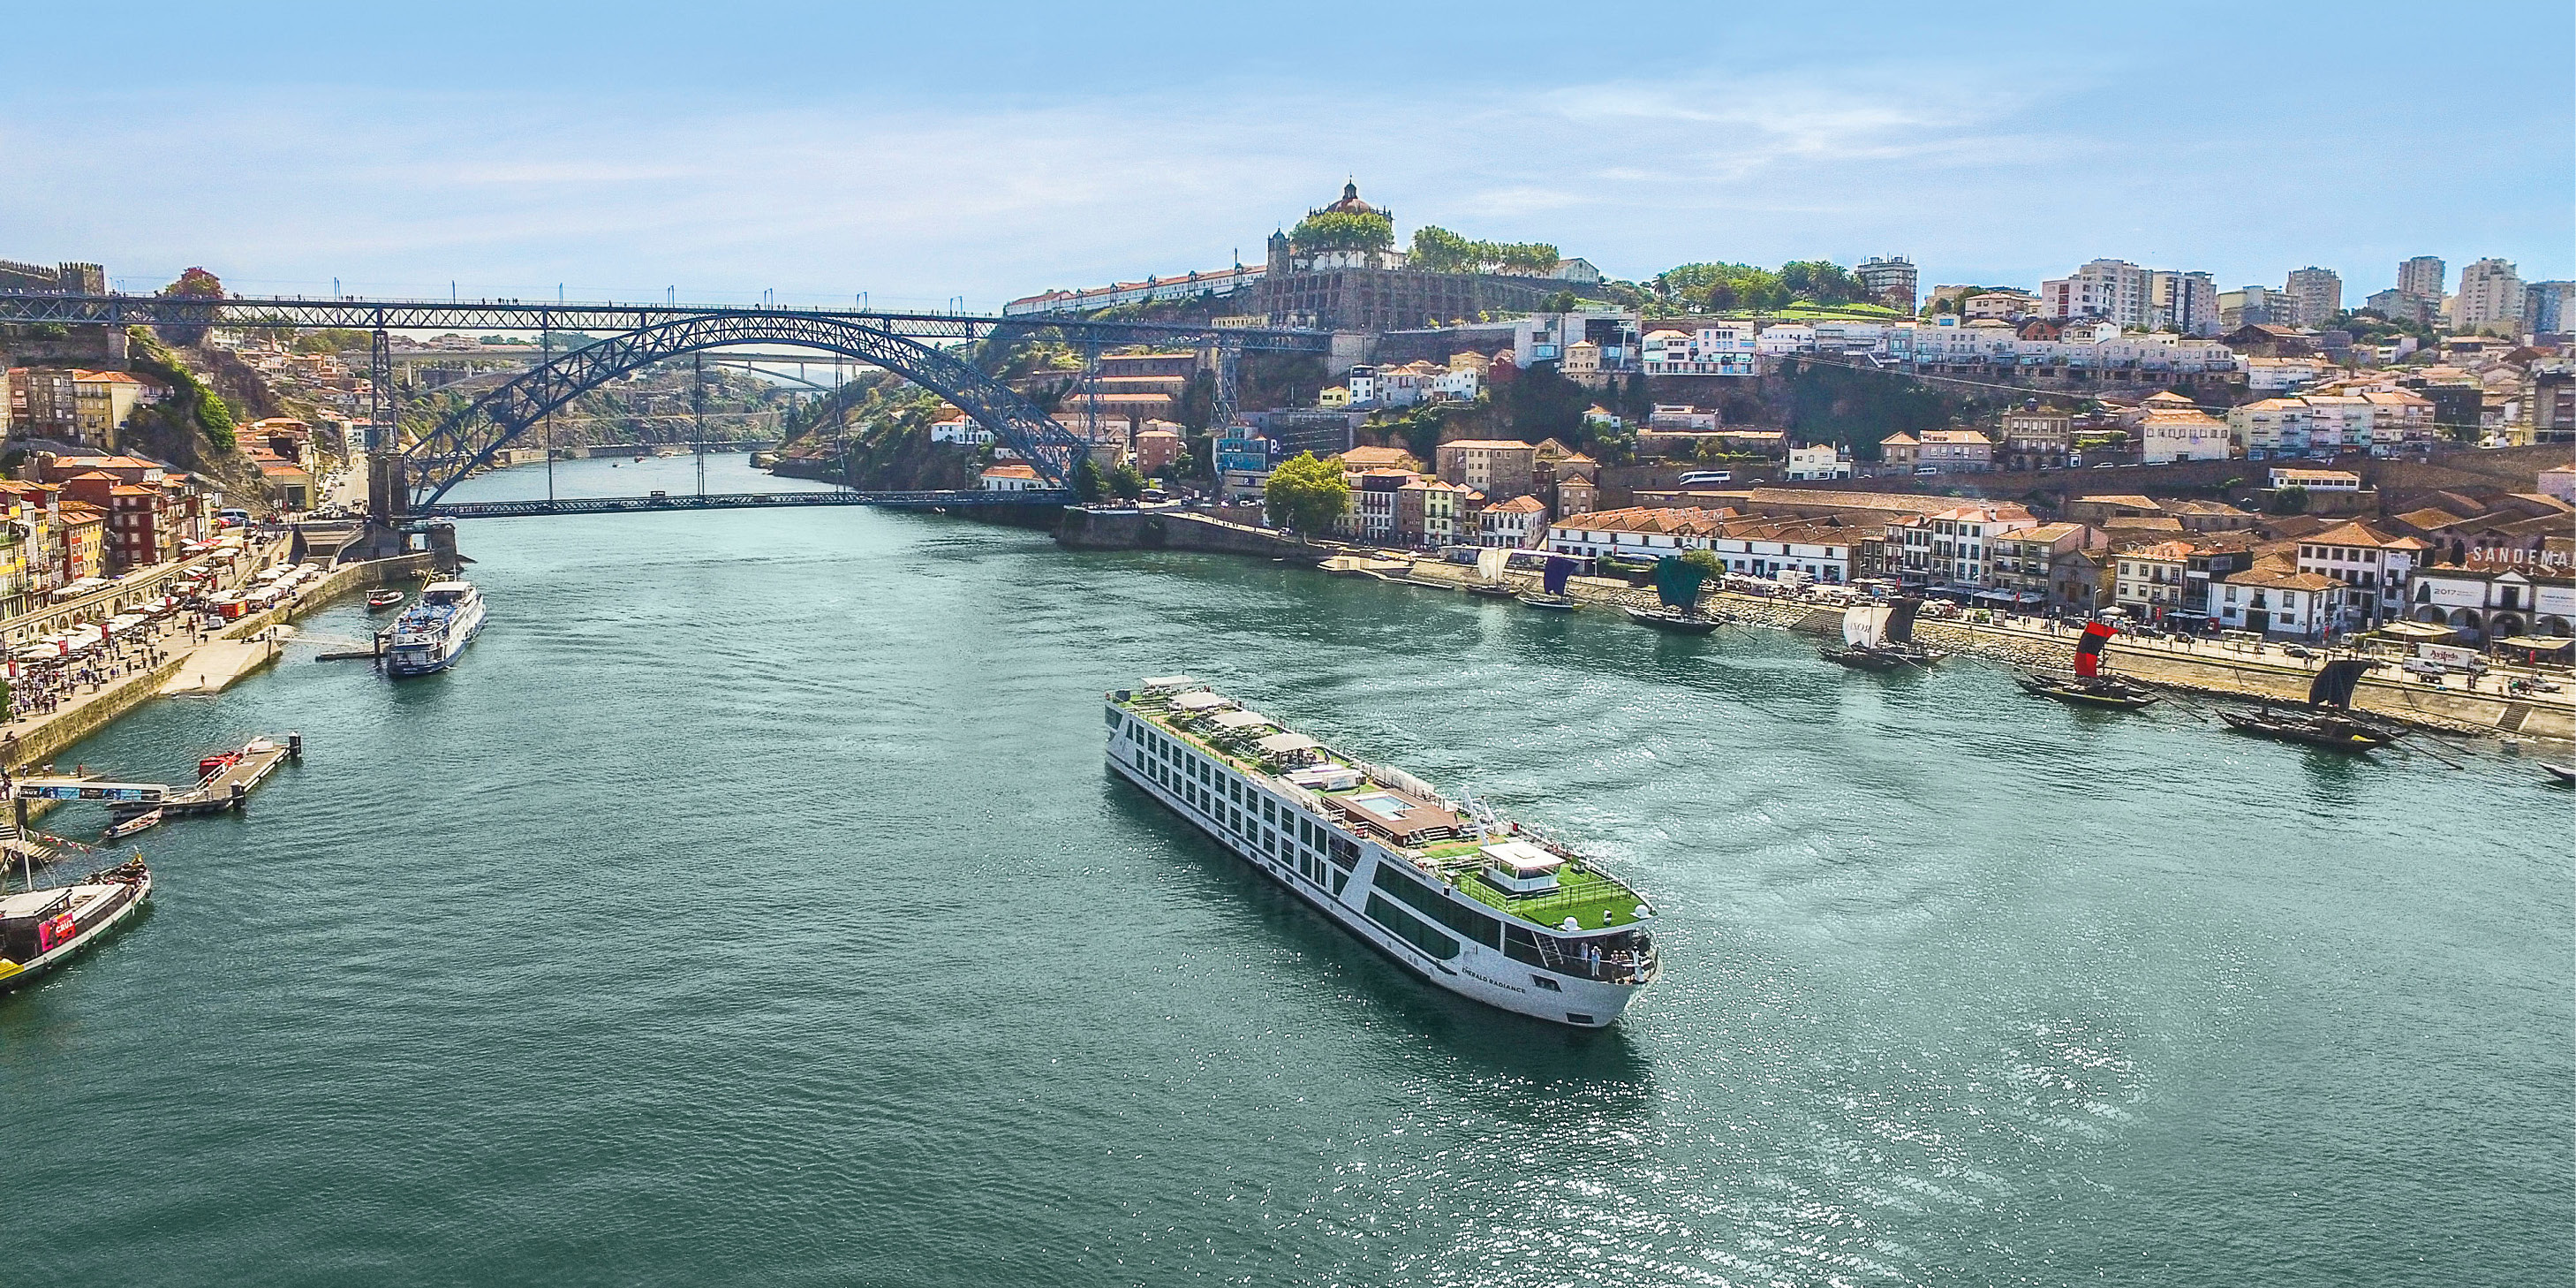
(733, 501)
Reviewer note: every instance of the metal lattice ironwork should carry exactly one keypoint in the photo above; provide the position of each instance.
(471, 437)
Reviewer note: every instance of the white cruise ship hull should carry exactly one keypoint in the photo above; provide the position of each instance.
(1474, 970)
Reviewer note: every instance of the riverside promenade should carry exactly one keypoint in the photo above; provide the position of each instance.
(176, 651)
(2259, 672)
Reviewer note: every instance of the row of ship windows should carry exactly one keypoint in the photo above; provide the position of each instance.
(1192, 778)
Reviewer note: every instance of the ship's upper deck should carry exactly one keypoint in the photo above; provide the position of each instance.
(1440, 838)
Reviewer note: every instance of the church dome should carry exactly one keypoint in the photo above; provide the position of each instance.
(1351, 203)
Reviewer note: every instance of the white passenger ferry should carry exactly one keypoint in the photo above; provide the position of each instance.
(1473, 904)
(430, 634)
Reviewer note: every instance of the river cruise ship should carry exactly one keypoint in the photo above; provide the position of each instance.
(1474, 904)
(430, 634)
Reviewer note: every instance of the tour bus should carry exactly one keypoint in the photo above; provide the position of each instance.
(1699, 478)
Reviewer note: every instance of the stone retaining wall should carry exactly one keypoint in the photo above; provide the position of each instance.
(51, 738)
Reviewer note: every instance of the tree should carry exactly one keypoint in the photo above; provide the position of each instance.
(1306, 494)
(1088, 483)
(1127, 482)
(196, 283)
(1561, 302)
(2288, 500)
(1438, 250)
(1343, 230)
(1706, 561)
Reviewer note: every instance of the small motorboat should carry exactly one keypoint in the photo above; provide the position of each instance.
(1497, 591)
(2565, 774)
(1552, 603)
(134, 825)
(380, 600)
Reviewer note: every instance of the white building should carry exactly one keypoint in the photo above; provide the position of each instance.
(2490, 295)
(2496, 595)
(2316, 295)
(1461, 383)
(1753, 547)
(2105, 288)
(1517, 524)
(1823, 461)
(960, 430)
(1012, 477)
(2184, 303)
(2369, 568)
(2167, 436)
(2316, 480)
(1719, 349)
(2274, 601)
(1891, 280)
(2282, 375)
(2150, 582)
(1545, 337)
(2001, 306)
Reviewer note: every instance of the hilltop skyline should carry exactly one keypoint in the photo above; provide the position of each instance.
(829, 154)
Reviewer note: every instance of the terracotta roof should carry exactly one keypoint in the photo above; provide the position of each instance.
(2273, 578)
(1010, 470)
(2163, 551)
(1521, 505)
(1490, 443)
(2362, 534)
(2428, 517)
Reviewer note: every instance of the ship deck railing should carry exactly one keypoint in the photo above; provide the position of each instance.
(1583, 893)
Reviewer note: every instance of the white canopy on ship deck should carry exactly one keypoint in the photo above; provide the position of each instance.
(1279, 744)
(1199, 702)
(1168, 682)
(1240, 720)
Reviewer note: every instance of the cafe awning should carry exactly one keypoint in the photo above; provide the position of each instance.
(2425, 631)
(2538, 643)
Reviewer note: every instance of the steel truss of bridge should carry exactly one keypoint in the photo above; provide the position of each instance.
(734, 501)
(523, 315)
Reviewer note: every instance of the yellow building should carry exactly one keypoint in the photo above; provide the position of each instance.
(1335, 398)
(101, 403)
(15, 588)
(84, 535)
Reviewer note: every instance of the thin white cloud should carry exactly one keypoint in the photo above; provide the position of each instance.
(917, 203)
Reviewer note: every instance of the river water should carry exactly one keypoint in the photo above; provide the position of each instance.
(752, 906)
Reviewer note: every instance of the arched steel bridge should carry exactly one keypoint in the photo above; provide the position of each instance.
(905, 343)
(468, 439)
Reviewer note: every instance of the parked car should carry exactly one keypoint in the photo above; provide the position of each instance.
(2297, 651)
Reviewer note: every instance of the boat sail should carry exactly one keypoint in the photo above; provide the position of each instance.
(1490, 563)
(1865, 625)
(1558, 569)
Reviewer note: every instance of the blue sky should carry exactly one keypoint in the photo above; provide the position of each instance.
(986, 151)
